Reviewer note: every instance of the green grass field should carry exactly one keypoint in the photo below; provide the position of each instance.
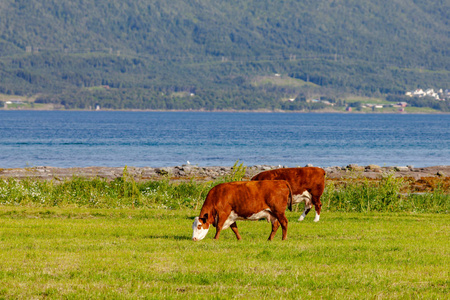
(91, 253)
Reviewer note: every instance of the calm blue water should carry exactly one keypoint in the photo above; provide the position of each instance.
(156, 139)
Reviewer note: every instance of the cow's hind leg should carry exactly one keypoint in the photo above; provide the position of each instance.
(308, 206)
(275, 225)
(284, 224)
(279, 219)
(235, 230)
(318, 207)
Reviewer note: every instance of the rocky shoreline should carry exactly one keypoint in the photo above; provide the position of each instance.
(192, 172)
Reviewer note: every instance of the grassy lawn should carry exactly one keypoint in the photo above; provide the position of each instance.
(147, 253)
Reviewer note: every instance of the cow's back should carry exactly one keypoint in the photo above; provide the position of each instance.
(299, 179)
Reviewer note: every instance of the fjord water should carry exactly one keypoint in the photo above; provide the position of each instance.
(157, 139)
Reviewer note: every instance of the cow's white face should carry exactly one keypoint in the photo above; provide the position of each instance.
(200, 229)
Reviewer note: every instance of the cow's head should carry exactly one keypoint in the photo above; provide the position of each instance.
(200, 228)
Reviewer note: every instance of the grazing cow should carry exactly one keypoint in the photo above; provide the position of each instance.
(244, 200)
(307, 184)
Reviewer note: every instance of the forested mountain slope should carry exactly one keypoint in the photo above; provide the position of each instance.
(219, 54)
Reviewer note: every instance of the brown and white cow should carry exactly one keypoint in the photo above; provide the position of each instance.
(307, 184)
(243, 200)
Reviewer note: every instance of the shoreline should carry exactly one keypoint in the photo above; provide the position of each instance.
(193, 172)
(325, 111)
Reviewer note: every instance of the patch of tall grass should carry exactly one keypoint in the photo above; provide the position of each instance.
(389, 194)
(100, 193)
(358, 195)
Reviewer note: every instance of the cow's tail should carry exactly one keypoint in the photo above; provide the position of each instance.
(290, 197)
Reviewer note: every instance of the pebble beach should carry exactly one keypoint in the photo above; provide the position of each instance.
(192, 172)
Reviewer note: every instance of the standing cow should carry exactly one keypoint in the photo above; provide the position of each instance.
(307, 184)
(244, 200)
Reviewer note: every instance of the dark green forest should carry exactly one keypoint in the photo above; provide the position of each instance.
(214, 55)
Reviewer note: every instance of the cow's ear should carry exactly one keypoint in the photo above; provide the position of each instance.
(204, 218)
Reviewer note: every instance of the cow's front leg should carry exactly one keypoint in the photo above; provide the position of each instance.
(235, 230)
(221, 220)
(218, 230)
(219, 227)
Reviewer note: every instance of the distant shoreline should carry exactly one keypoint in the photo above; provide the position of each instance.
(241, 111)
